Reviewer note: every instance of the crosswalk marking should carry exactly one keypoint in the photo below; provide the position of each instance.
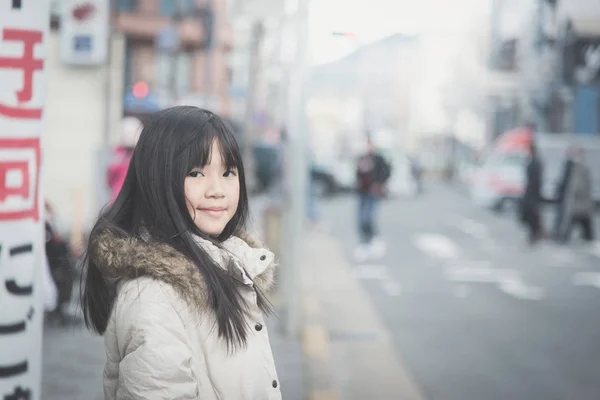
(483, 274)
(391, 287)
(587, 279)
(437, 245)
(371, 271)
(517, 288)
(380, 274)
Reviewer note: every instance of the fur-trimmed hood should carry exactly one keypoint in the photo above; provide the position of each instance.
(130, 258)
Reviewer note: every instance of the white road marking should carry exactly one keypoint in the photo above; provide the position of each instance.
(482, 274)
(379, 273)
(587, 279)
(473, 228)
(515, 287)
(507, 280)
(559, 257)
(437, 245)
(391, 287)
(371, 271)
(594, 249)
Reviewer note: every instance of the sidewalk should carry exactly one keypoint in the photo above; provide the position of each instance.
(349, 353)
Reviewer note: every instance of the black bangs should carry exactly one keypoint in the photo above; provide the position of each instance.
(199, 152)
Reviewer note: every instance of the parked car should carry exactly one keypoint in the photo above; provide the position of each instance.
(499, 180)
(498, 183)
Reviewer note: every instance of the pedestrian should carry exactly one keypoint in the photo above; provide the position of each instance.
(117, 170)
(575, 204)
(531, 202)
(62, 270)
(372, 173)
(175, 285)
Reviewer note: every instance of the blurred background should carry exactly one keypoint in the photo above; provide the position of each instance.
(454, 302)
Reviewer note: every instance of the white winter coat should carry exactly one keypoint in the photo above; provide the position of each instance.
(161, 340)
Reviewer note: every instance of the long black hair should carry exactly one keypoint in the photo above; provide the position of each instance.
(152, 202)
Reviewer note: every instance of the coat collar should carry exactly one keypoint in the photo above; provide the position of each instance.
(130, 258)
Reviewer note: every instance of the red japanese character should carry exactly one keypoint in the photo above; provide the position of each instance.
(24, 194)
(28, 64)
(23, 169)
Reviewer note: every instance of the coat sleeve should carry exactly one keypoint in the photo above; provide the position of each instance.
(153, 345)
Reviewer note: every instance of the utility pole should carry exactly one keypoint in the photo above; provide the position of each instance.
(175, 51)
(209, 29)
(256, 40)
(112, 12)
(295, 185)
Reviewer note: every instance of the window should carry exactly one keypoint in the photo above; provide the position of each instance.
(164, 72)
(127, 5)
(167, 7)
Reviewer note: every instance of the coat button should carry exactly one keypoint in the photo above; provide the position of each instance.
(274, 384)
(258, 327)
(263, 257)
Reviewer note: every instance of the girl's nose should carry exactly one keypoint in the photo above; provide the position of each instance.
(215, 189)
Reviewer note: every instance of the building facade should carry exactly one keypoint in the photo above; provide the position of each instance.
(176, 52)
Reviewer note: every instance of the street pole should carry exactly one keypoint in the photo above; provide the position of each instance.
(112, 12)
(492, 65)
(256, 39)
(210, 31)
(177, 17)
(295, 185)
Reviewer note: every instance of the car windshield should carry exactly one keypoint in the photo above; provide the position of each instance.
(498, 160)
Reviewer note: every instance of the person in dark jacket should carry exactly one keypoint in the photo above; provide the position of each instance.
(575, 204)
(372, 172)
(532, 197)
(62, 269)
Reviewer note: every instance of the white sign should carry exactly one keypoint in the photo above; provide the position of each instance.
(23, 34)
(84, 32)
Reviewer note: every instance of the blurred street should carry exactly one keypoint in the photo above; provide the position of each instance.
(478, 119)
(474, 312)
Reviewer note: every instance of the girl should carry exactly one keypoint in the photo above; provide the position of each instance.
(173, 284)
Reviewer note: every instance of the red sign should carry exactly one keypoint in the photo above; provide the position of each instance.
(28, 64)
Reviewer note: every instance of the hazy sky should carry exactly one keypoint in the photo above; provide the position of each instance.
(374, 19)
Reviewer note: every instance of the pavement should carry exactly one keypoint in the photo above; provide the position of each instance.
(471, 310)
(458, 308)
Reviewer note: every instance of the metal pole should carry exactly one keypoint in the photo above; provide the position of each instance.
(296, 184)
(256, 39)
(494, 40)
(177, 16)
(210, 19)
(112, 11)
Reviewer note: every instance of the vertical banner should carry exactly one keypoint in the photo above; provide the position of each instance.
(23, 33)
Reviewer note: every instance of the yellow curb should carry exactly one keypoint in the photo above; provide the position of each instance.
(312, 307)
(322, 395)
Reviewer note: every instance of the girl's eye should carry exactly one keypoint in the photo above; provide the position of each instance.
(195, 174)
(229, 173)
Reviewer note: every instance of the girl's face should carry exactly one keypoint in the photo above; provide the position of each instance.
(212, 193)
